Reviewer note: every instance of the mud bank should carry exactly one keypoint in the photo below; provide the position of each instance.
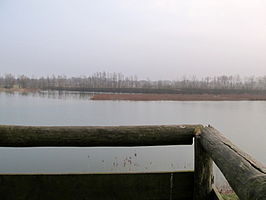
(180, 97)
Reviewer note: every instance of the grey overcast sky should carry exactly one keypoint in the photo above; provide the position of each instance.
(159, 39)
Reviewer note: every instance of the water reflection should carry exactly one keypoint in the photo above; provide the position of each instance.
(237, 120)
(66, 95)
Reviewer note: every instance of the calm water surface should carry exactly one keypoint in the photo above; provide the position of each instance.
(243, 122)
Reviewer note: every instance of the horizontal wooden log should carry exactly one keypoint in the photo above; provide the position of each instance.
(30, 136)
(142, 186)
(246, 176)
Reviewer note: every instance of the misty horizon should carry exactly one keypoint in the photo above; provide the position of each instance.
(134, 76)
(159, 40)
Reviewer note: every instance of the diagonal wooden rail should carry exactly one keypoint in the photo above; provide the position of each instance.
(246, 176)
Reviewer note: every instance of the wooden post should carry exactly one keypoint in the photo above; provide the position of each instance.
(203, 177)
(246, 176)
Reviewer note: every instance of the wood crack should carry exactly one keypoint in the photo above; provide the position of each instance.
(254, 164)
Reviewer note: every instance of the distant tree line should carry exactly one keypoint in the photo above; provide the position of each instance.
(117, 82)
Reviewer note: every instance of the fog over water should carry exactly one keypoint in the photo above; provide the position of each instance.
(241, 122)
(152, 39)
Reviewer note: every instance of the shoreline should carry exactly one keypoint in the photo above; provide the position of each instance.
(20, 90)
(179, 97)
(156, 96)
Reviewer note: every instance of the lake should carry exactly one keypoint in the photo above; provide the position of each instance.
(241, 121)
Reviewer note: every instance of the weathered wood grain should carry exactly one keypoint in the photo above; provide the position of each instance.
(203, 175)
(246, 176)
(30, 136)
(142, 186)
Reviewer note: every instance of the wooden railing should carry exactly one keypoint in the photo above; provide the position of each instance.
(245, 175)
(26, 136)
